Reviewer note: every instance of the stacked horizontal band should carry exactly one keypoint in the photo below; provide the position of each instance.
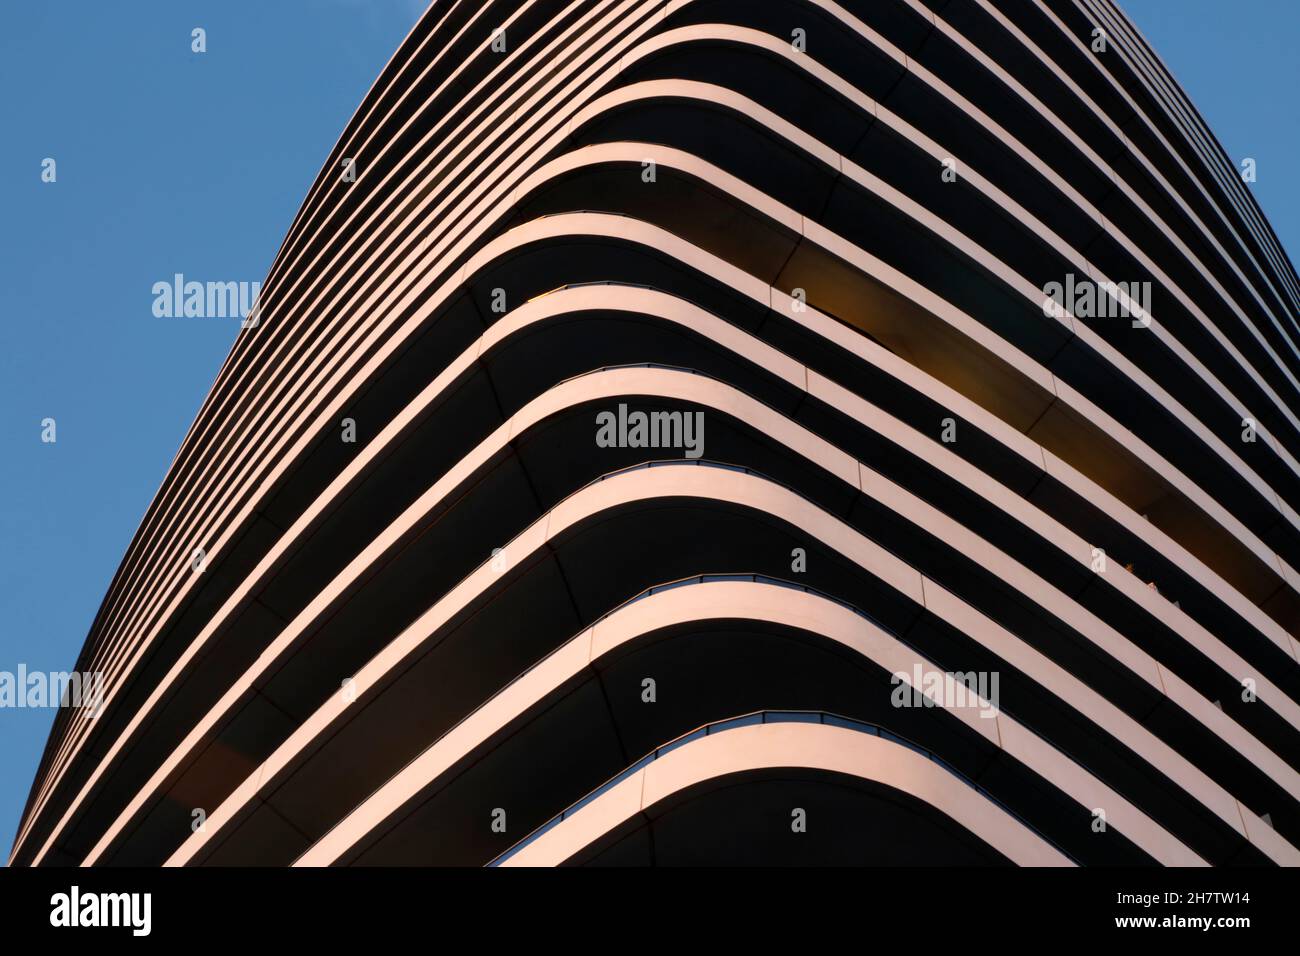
(741, 212)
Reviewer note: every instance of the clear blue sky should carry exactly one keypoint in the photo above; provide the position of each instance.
(168, 162)
(174, 162)
(1238, 62)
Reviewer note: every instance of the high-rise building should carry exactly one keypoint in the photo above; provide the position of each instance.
(729, 431)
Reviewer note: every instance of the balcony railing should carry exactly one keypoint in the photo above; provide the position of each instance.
(768, 717)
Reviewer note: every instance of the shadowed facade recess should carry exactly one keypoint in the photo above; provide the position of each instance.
(453, 609)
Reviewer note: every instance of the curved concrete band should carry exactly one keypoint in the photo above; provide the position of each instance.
(484, 171)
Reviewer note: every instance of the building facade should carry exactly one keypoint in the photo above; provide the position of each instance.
(729, 431)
